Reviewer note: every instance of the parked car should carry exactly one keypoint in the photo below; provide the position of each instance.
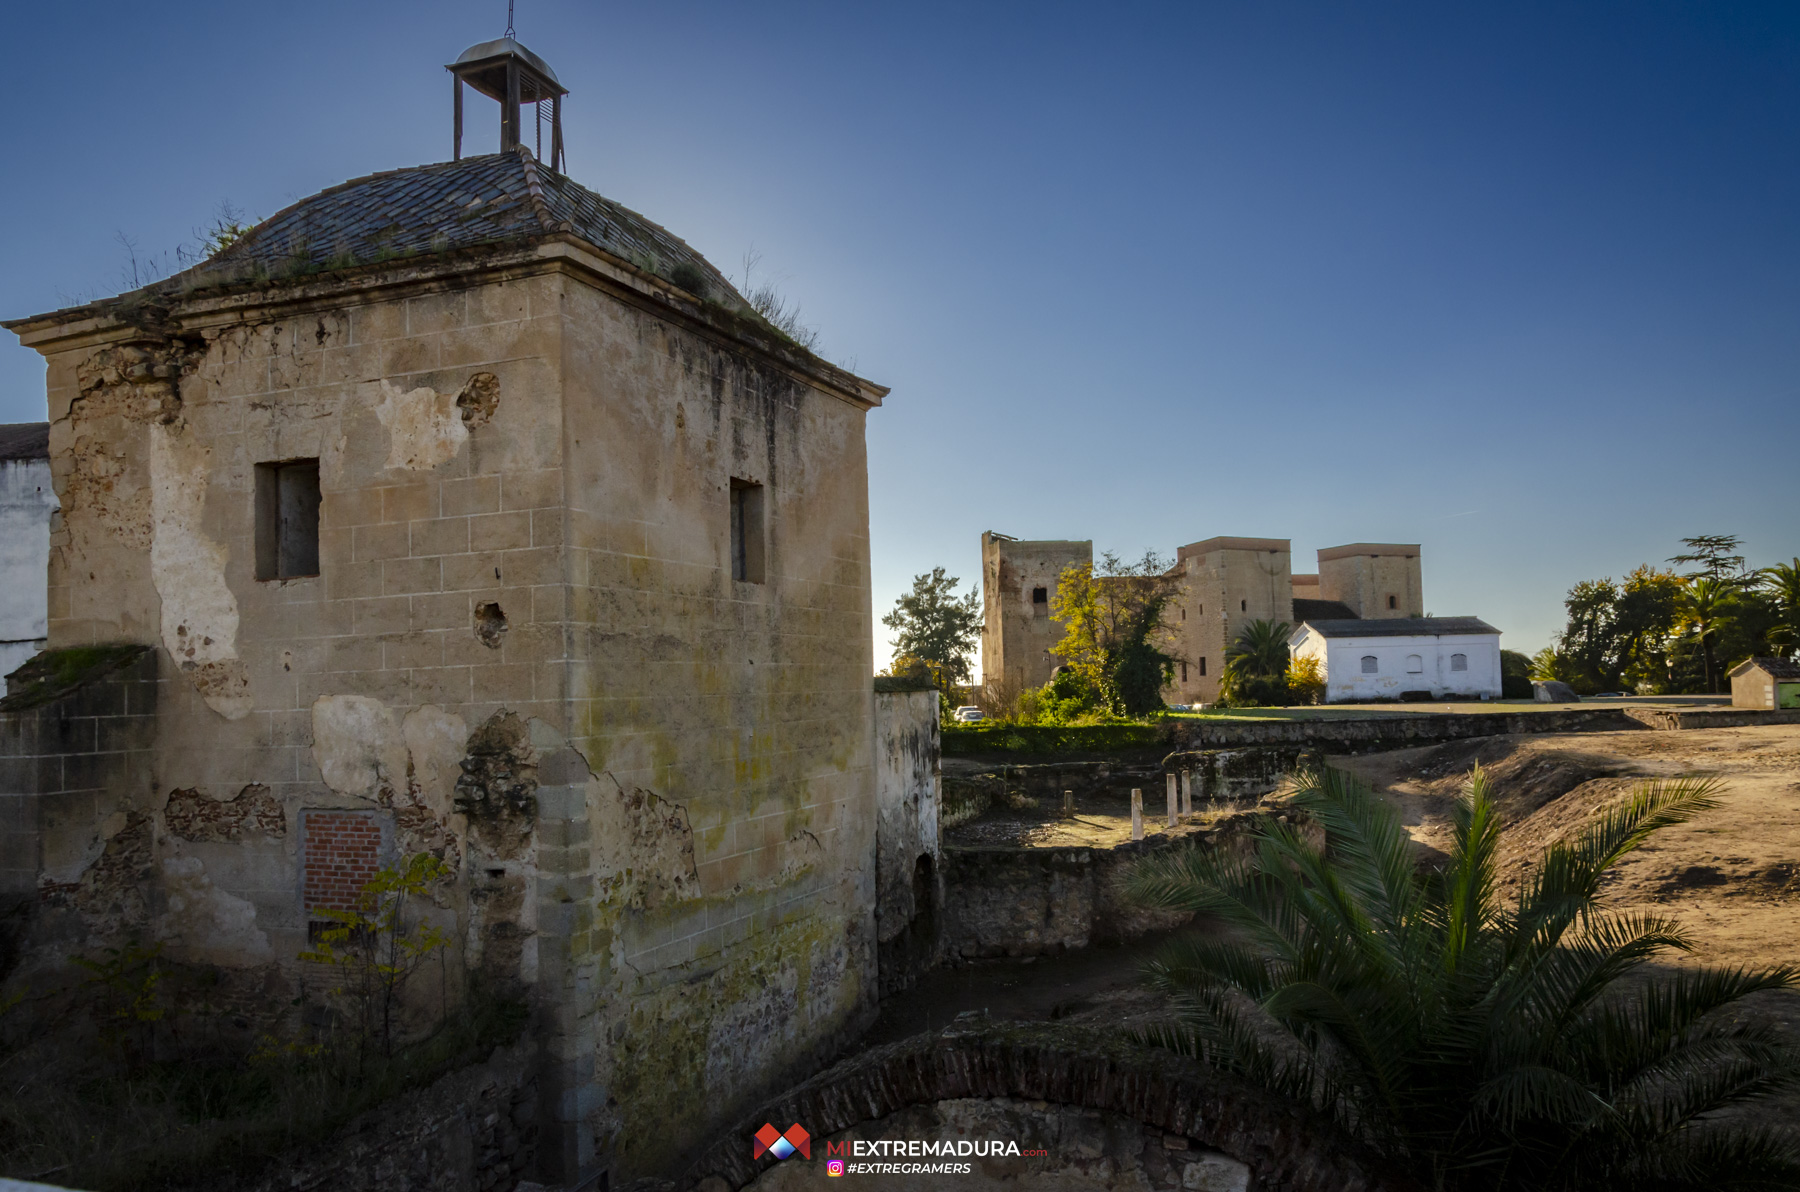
(968, 714)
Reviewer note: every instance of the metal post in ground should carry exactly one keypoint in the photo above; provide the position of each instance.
(1137, 814)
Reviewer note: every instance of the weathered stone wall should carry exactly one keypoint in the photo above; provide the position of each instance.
(1040, 901)
(76, 793)
(1232, 775)
(714, 895)
(1223, 584)
(524, 651)
(1017, 632)
(1682, 718)
(1364, 735)
(1369, 576)
(908, 794)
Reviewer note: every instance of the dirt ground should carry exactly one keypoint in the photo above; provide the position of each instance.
(1731, 876)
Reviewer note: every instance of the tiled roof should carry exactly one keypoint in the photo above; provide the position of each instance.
(491, 199)
(24, 440)
(1775, 668)
(1402, 627)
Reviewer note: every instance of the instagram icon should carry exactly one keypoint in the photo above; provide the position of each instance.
(834, 1167)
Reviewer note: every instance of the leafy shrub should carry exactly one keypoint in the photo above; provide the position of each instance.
(1305, 681)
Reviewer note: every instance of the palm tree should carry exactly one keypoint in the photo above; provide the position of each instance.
(1547, 665)
(1260, 651)
(1703, 602)
(1782, 581)
(1486, 1046)
(1256, 664)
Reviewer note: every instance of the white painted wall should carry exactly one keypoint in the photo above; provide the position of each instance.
(26, 503)
(1345, 682)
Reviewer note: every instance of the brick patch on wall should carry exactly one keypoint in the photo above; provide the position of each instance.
(342, 851)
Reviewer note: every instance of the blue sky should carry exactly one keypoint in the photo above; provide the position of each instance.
(1519, 282)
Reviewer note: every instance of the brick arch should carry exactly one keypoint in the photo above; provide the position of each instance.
(1286, 1147)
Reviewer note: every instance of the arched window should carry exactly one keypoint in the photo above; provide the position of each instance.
(1370, 664)
(1243, 606)
(1459, 662)
(1415, 665)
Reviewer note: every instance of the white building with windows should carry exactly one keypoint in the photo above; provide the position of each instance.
(1448, 657)
(27, 501)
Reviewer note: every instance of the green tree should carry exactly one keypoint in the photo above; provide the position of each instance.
(1547, 666)
(1781, 583)
(1713, 554)
(1486, 1046)
(1643, 622)
(1256, 664)
(937, 627)
(1110, 617)
(1587, 643)
(378, 946)
(1515, 675)
(1705, 603)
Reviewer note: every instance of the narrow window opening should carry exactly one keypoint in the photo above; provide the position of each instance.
(1203, 666)
(1370, 665)
(287, 519)
(1393, 602)
(1184, 672)
(746, 531)
(1184, 614)
(1243, 606)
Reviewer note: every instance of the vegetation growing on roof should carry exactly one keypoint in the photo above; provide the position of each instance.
(53, 674)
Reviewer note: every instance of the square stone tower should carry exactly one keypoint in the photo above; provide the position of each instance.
(1017, 581)
(467, 511)
(1375, 580)
(1222, 585)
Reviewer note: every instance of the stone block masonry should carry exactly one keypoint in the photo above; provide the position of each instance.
(437, 550)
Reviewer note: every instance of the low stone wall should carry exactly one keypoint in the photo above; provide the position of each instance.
(971, 787)
(472, 1131)
(1690, 718)
(1394, 732)
(1041, 901)
(71, 752)
(1200, 1112)
(908, 795)
(1230, 775)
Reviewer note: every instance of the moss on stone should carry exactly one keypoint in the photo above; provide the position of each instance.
(53, 674)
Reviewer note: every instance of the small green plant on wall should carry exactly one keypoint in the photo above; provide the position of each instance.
(378, 947)
(126, 983)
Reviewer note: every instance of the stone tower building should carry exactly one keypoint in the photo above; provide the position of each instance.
(1222, 584)
(1017, 581)
(1374, 580)
(460, 509)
